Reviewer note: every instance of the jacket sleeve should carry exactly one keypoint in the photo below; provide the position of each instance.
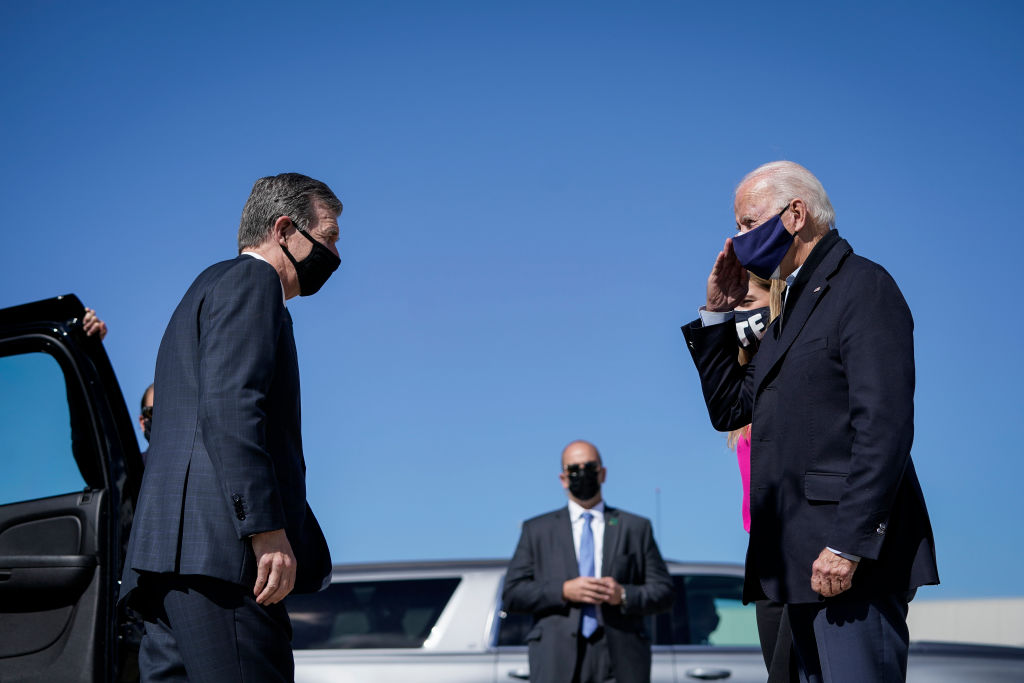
(523, 590)
(239, 326)
(657, 591)
(728, 386)
(876, 342)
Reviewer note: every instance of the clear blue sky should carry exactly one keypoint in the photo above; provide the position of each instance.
(534, 193)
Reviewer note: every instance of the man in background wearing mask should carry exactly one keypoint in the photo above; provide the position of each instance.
(588, 573)
(222, 531)
(146, 417)
(839, 531)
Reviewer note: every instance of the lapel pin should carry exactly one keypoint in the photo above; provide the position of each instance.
(613, 521)
(816, 290)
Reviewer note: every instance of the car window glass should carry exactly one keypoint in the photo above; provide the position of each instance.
(708, 610)
(36, 458)
(369, 614)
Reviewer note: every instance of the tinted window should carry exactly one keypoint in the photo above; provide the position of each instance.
(36, 455)
(369, 614)
(708, 611)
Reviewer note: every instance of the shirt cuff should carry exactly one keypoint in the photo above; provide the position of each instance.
(846, 556)
(709, 318)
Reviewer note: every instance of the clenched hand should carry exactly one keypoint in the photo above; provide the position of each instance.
(831, 574)
(275, 566)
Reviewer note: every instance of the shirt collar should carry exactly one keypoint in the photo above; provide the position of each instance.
(284, 299)
(791, 278)
(576, 510)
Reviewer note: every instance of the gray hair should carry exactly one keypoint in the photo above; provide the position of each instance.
(287, 194)
(786, 181)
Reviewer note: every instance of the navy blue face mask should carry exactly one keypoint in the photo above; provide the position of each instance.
(762, 249)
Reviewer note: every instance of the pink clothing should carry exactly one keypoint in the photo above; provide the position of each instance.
(743, 457)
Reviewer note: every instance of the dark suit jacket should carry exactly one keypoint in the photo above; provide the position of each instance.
(546, 558)
(225, 457)
(831, 394)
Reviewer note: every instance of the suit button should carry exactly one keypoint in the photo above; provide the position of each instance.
(241, 515)
(237, 498)
(881, 529)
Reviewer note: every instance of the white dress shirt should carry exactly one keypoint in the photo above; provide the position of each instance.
(596, 525)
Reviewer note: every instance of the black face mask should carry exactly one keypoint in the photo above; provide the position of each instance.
(583, 483)
(313, 270)
(750, 326)
(147, 426)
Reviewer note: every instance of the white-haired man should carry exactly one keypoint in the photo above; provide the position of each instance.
(839, 530)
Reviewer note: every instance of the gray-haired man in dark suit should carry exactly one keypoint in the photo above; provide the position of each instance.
(222, 532)
(839, 530)
(588, 573)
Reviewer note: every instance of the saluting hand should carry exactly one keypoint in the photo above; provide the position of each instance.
(727, 284)
(275, 566)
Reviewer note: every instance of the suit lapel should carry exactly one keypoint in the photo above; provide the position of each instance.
(799, 306)
(611, 539)
(563, 538)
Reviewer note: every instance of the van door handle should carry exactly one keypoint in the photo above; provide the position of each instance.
(521, 674)
(708, 674)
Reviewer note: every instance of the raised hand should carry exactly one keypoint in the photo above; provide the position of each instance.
(727, 284)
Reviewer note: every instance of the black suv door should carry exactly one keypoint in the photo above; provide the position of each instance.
(69, 475)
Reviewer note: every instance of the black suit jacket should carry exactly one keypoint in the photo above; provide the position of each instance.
(830, 395)
(225, 457)
(546, 558)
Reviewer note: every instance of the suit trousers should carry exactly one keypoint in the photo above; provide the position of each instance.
(776, 642)
(852, 640)
(593, 663)
(205, 630)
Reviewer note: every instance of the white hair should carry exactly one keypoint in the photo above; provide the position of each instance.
(786, 181)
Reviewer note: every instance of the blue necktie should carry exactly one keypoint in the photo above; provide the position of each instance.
(586, 561)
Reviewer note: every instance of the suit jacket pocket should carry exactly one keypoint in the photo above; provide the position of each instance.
(534, 634)
(811, 346)
(824, 486)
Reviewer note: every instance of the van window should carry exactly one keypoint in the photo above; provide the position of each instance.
(708, 610)
(36, 455)
(369, 614)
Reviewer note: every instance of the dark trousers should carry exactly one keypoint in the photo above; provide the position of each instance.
(776, 642)
(593, 665)
(205, 630)
(855, 641)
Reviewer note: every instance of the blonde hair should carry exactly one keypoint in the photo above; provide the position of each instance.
(775, 289)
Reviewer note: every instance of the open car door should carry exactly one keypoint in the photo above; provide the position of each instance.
(69, 475)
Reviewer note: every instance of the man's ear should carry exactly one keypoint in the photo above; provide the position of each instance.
(600, 479)
(280, 229)
(798, 209)
(564, 478)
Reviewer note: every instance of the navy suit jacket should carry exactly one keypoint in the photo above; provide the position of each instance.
(546, 558)
(225, 457)
(830, 395)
